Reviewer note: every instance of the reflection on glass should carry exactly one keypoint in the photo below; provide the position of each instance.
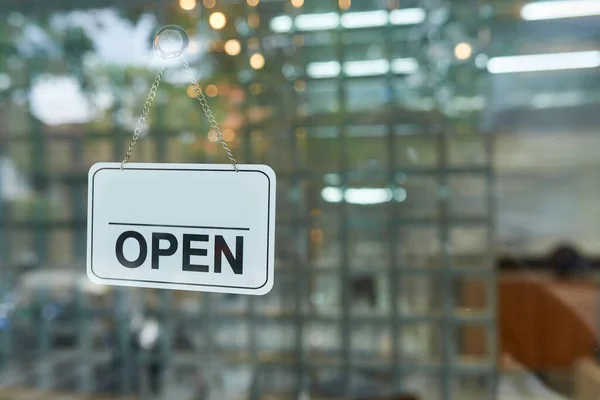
(430, 159)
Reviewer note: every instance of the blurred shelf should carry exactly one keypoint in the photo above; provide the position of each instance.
(10, 393)
(460, 316)
(80, 174)
(433, 222)
(269, 359)
(384, 115)
(458, 271)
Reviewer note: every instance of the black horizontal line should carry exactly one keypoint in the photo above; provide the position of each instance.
(181, 226)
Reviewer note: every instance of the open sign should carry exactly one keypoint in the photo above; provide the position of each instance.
(181, 226)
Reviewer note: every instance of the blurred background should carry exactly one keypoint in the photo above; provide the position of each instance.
(437, 205)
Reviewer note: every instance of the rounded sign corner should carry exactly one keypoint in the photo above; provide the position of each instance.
(264, 290)
(94, 278)
(268, 171)
(95, 168)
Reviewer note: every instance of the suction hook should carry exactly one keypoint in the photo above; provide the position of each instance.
(170, 42)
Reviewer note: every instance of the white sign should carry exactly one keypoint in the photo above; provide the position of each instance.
(200, 227)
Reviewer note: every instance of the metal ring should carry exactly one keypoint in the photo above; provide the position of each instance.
(166, 55)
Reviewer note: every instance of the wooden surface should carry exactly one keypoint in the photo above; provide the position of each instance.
(587, 380)
(547, 324)
(29, 394)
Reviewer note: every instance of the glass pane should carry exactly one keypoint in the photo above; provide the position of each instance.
(468, 246)
(436, 199)
(416, 150)
(275, 338)
(325, 293)
(420, 344)
(322, 341)
(467, 150)
(419, 294)
(418, 196)
(370, 342)
(368, 250)
(468, 196)
(366, 95)
(418, 247)
(319, 97)
(318, 148)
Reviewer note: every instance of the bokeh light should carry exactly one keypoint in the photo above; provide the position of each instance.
(217, 20)
(463, 51)
(212, 91)
(233, 47)
(257, 61)
(187, 5)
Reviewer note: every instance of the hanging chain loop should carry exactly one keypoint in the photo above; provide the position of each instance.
(209, 115)
(164, 54)
(205, 107)
(145, 111)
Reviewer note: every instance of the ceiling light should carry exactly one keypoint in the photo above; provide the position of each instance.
(332, 194)
(314, 22)
(405, 66)
(364, 19)
(544, 62)
(366, 68)
(352, 20)
(560, 9)
(327, 69)
(363, 196)
(407, 16)
(281, 24)
(331, 69)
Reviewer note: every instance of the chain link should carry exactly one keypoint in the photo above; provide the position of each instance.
(145, 111)
(203, 102)
(209, 115)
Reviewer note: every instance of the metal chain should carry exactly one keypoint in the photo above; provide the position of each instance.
(203, 102)
(209, 115)
(145, 111)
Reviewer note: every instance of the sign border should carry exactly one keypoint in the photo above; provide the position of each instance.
(135, 167)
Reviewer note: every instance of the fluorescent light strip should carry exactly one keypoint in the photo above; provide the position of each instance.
(316, 22)
(352, 20)
(331, 69)
(363, 196)
(281, 24)
(407, 16)
(366, 196)
(544, 62)
(560, 9)
(328, 69)
(366, 68)
(404, 66)
(364, 19)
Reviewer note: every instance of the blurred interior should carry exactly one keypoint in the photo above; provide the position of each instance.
(436, 207)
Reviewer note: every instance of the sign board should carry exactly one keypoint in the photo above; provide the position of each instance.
(201, 227)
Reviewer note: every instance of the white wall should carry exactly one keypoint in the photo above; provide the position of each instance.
(548, 190)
